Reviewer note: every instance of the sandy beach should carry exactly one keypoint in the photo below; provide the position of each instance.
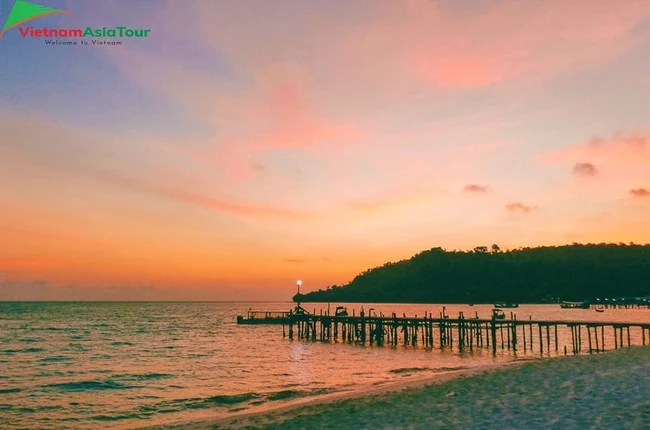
(610, 390)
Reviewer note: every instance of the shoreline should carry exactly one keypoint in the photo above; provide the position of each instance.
(362, 392)
(603, 390)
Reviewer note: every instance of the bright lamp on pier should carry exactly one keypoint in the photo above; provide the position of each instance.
(299, 282)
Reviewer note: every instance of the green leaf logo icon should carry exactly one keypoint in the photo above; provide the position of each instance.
(24, 11)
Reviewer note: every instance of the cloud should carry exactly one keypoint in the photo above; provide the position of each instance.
(473, 50)
(47, 291)
(198, 199)
(294, 260)
(640, 192)
(393, 198)
(105, 158)
(21, 264)
(621, 148)
(585, 169)
(519, 207)
(277, 109)
(475, 188)
(618, 160)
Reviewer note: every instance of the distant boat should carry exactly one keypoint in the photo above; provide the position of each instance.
(264, 317)
(270, 317)
(575, 305)
(599, 310)
(498, 314)
(506, 305)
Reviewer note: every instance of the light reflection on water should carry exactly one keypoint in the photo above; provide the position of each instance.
(80, 365)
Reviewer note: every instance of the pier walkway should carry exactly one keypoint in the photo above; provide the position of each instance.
(466, 334)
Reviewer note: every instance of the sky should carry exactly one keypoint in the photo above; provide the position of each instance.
(246, 144)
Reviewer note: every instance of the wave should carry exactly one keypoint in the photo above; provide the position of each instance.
(179, 405)
(30, 340)
(54, 359)
(292, 394)
(120, 417)
(450, 369)
(71, 329)
(9, 390)
(27, 350)
(223, 400)
(81, 386)
(142, 376)
(409, 369)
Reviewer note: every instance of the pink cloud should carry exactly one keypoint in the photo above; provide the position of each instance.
(455, 73)
(191, 197)
(519, 207)
(621, 148)
(475, 188)
(394, 198)
(584, 169)
(292, 122)
(493, 46)
(640, 192)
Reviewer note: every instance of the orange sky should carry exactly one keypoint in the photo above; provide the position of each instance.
(269, 142)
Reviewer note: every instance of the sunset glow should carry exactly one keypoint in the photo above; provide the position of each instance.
(229, 152)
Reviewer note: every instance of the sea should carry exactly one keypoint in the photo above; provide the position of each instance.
(129, 365)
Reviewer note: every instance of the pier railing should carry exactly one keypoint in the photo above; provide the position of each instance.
(469, 333)
(268, 315)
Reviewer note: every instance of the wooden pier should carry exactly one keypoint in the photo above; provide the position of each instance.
(466, 334)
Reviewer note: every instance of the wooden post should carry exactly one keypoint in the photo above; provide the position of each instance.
(460, 333)
(514, 333)
(451, 336)
(494, 336)
(589, 335)
(579, 338)
(541, 342)
(555, 337)
(291, 325)
(620, 341)
(471, 337)
(573, 338)
(501, 334)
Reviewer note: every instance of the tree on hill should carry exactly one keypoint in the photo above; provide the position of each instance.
(488, 275)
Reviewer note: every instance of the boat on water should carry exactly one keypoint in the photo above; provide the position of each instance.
(264, 317)
(575, 305)
(506, 305)
(341, 311)
(599, 310)
(280, 317)
(498, 314)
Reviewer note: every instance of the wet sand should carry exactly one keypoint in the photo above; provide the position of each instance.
(610, 390)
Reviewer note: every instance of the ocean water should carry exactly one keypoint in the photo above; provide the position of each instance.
(128, 365)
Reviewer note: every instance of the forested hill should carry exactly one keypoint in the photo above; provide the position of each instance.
(526, 275)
